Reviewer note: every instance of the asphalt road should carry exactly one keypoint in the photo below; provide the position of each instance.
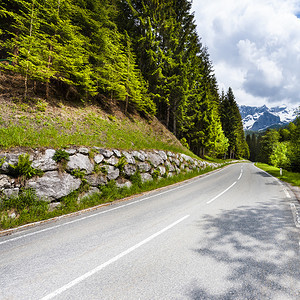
(227, 235)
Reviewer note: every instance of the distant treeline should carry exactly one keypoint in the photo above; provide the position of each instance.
(277, 147)
(142, 54)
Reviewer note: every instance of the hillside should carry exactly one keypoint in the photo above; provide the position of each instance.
(61, 123)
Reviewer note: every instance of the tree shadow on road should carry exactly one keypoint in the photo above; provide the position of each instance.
(259, 247)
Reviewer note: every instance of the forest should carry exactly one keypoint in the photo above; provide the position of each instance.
(277, 147)
(143, 55)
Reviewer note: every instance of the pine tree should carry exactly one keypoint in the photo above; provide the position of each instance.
(233, 127)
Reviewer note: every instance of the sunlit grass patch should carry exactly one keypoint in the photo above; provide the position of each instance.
(290, 177)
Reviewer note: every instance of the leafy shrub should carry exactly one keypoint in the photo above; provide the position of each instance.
(61, 155)
(136, 179)
(121, 164)
(27, 206)
(184, 143)
(24, 169)
(155, 174)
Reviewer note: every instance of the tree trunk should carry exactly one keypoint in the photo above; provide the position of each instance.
(48, 66)
(168, 116)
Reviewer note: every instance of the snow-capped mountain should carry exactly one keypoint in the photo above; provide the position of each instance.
(260, 118)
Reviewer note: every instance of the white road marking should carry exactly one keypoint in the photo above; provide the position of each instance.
(241, 174)
(101, 212)
(112, 260)
(213, 199)
(287, 194)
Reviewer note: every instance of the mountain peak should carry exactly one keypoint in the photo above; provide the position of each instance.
(260, 118)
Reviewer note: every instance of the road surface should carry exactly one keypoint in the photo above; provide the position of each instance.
(227, 235)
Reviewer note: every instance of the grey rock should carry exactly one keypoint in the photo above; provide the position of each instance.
(98, 158)
(177, 162)
(46, 162)
(95, 180)
(54, 205)
(138, 155)
(112, 160)
(80, 161)
(12, 215)
(112, 172)
(83, 150)
(106, 153)
(144, 166)
(14, 192)
(169, 166)
(162, 154)
(90, 192)
(123, 183)
(117, 153)
(146, 177)
(154, 159)
(170, 154)
(129, 157)
(5, 181)
(129, 169)
(187, 158)
(71, 151)
(162, 170)
(53, 185)
(143, 153)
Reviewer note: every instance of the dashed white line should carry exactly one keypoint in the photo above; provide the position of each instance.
(112, 260)
(213, 199)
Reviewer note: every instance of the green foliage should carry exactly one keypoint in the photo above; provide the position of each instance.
(26, 206)
(121, 164)
(61, 155)
(184, 143)
(23, 168)
(233, 127)
(287, 176)
(136, 179)
(78, 173)
(279, 156)
(2, 161)
(156, 174)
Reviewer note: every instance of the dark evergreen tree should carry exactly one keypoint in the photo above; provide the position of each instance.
(233, 127)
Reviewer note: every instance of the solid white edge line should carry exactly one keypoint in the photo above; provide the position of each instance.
(287, 194)
(213, 199)
(112, 260)
(104, 212)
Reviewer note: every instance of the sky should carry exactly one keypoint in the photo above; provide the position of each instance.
(254, 46)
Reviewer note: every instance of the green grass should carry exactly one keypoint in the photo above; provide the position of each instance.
(81, 127)
(290, 177)
(28, 208)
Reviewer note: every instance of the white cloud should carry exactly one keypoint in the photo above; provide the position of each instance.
(254, 46)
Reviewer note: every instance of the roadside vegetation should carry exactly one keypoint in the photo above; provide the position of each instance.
(291, 177)
(27, 207)
(278, 147)
(145, 56)
(60, 125)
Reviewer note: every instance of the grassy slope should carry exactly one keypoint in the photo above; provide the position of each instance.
(290, 177)
(59, 123)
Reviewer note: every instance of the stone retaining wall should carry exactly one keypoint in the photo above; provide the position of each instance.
(94, 166)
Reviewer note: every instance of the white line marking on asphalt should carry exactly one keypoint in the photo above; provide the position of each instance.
(112, 260)
(240, 174)
(102, 212)
(213, 199)
(287, 194)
